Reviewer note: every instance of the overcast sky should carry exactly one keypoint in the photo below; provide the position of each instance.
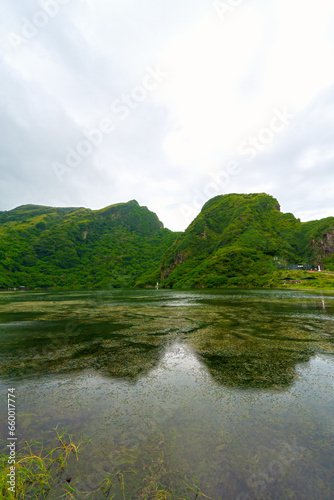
(167, 102)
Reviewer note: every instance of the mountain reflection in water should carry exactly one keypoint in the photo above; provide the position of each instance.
(217, 385)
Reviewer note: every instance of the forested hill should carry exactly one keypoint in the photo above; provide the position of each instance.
(117, 246)
(241, 240)
(236, 240)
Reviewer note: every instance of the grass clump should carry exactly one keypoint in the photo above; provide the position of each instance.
(40, 471)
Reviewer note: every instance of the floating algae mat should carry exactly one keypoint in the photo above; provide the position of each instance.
(223, 394)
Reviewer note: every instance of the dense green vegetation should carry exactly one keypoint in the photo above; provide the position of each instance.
(243, 240)
(236, 240)
(80, 248)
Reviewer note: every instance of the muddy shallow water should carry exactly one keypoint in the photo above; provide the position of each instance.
(228, 391)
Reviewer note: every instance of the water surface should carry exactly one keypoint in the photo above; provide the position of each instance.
(227, 390)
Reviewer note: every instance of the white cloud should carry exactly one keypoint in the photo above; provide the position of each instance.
(202, 93)
(225, 79)
(213, 64)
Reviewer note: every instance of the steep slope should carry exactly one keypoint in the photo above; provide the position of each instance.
(315, 242)
(78, 247)
(238, 240)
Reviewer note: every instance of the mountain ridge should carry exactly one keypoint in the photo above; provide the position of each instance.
(236, 240)
(78, 247)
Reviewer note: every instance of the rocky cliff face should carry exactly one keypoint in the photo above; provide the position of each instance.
(324, 247)
(179, 259)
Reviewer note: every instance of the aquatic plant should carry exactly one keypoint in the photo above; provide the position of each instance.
(40, 470)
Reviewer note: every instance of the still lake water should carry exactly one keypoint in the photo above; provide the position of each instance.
(230, 391)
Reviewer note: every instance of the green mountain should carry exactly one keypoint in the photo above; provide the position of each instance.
(77, 247)
(241, 240)
(236, 240)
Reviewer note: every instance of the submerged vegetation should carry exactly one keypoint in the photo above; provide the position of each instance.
(43, 473)
(236, 240)
(175, 395)
(75, 331)
(39, 471)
